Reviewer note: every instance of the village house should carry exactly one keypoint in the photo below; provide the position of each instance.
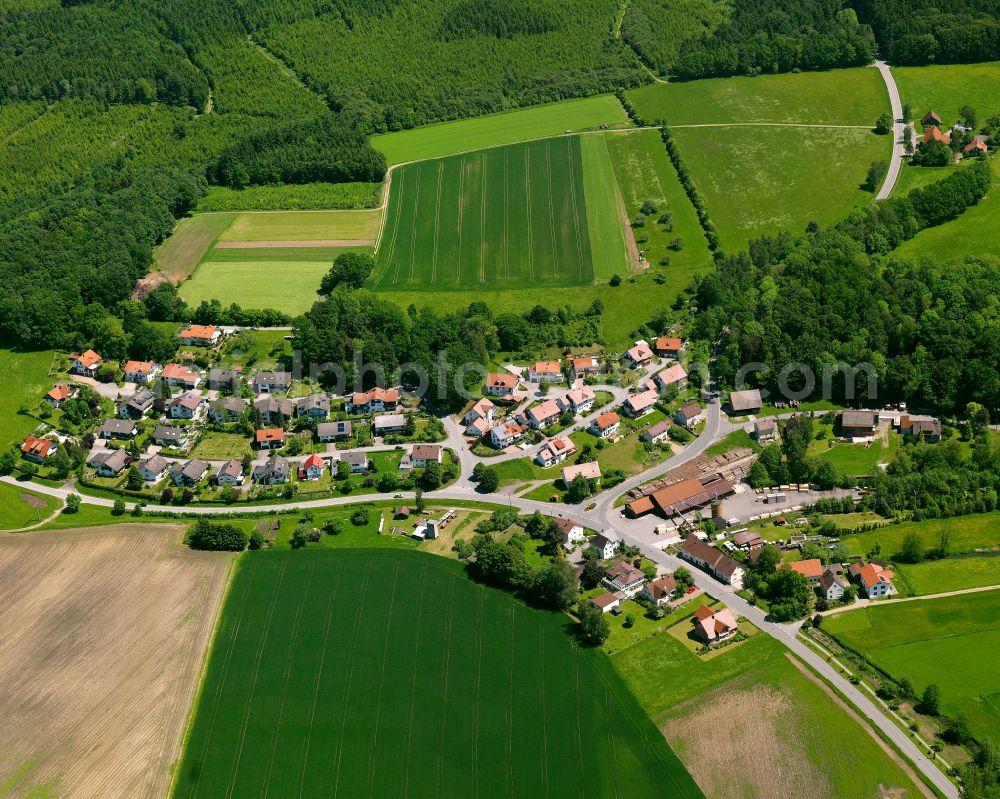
(857, 424)
(765, 431)
(657, 432)
(934, 134)
(978, 146)
(544, 414)
(931, 119)
(270, 438)
(717, 563)
(744, 403)
(271, 382)
(506, 434)
(422, 454)
(86, 364)
(37, 449)
(312, 468)
(606, 544)
(172, 437)
(329, 432)
(667, 347)
(831, 586)
(690, 415)
(874, 581)
(109, 462)
(188, 406)
(477, 428)
(482, 412)
(606, 425)
(661, 590)
(136, 406)
(748, 540)
(59, 393)
(226, 409)
(589, 471)
(578, 401)
(275, 411)
(315, 406)
(713, 626)
(200, 336)
(141, 371)
(230, 474)
(274, 471)
(357, 461)
(153, 469)
(571, 532)
(376, 400)
(555, 450)
(121, 429)
(582, 368)
(177, 376)
(500, 384)
(811, 569)
(639, 355)
(638, 405)
(606, 602)
(388, 423)
(920, 427)
(223, 380)
(673, 375)
(189, 474)
(621, 576)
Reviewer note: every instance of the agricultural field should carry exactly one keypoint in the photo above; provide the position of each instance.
(191, 240)
(952, 641)
(22, 508)
(946, 88)
(281, 227)
(508, 127)
(297, 197)
(470, 716)
(611, 241)
(506, 217)
(27, 381)
(977, 533)
(708, 708)
(837, 97)
(101, 661)
(950, 574)
(768, 179)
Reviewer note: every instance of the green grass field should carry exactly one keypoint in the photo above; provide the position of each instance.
(506, 217)
(303, 196)
(644, 172)
(386, 673)
(26, 383)
(838, 97)
(857, 459)
(304, 226)
(769, 179)
(193, 237)
(221, 446)
(950, 574)
(605, 210)
(552, 119)
(966, 534)
(953, 642)
(21, 508)
(946, 88)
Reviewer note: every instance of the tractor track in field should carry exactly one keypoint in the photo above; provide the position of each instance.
(556, 271)
(381, 682)
(413, 686)
(482, 225)
(527, 211)
(413, 232)
(437, 222)
(444, 683)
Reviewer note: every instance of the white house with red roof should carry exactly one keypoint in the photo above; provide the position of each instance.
(141, 371)
(606, 425)
(200, 336)
(589, 471)
(376, 400)
(639, 355)
(668, 347)
(544, 414)
(673, 375)
(501, 384)
(555, 450)
(545, 372)
(579, 400)
(59, 393)
(36, 449)
(312, 468)
(714, 626)
(876, 582)
(175, 375)
(86, 364)
(506, 434)
(583, 368)
(640, 404)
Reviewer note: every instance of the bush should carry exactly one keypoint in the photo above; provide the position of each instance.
(212, 536)
(72, 503)
(361, 516)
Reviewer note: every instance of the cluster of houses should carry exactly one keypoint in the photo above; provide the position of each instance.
(860, 426)
(873, 580)
(932, 126)
(482, 419)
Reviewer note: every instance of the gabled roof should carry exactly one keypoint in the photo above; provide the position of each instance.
(139, 367)
(501, 380)
(231, 468)
(89, 359)
(640, 352)
(931, 118)
(580, 395)
(155, 464)
(545, 368)
(809, 568)
(661, 587)
(198, 331)
(382, 395)
(672, 374)
(430, 452)
(189, 400)
(166, 433)
(665, 344)
(544, 410)
(314, 460)
(642, 401)
(606, 420)
(933, 134)
(690, 410)
(38, 447)
(585, 363)
(745, 400)
(60, 392)
(113, 459)
(857, 419)
(269, 434)
(174, 371)
(591, 471)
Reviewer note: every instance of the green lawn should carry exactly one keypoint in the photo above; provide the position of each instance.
(622, 637)
(604, 210)
(837, 97)
(738, 439)
(946, 88)
(966, 534)
(507, 217)
(644, 172)
(27, 381)
(221, 446)
(953, 642)
(769, 179)
(302, 196)
(950, 574)
(192, 238)
(917, 177)
(304, 226)
(386, 673)
(22, 508)
(448, 138)
(855, 459)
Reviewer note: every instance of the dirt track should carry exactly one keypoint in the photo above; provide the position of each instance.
(104, 635)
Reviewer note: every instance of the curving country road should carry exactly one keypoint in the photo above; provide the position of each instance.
(898, 132)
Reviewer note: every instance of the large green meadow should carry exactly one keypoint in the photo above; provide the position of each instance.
(946, 88)
(26, 382)
(953, 642)
(964, 533)
(387, 673)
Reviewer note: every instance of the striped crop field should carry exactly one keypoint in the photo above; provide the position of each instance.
(508, 217)
(378, 673)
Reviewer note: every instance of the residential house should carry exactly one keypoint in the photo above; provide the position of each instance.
(224, 380)
(657, 432)
(589, 471)
(172, 437)
(690, 415)
(121, 429)
(713, 626)
(747, 402)
(274, 471)
(638, 405)
(189, 474)
(483, 411)
(831, 586)
(621, 576)
(506, 434)
(875, 582)
(270, 438)
(110, 462)
(389, 423)
(358, 461)
(978, 146)
(376, 400)
(275, 411)
(477, 428)
(555, 450)
(811, 569)
(315, 406)
(37, 449)
(544, 414)
(931, 119)
(86, 364)
(572, 533)
(667, 347)
(329, 432)
(661, 590)
(934, 134)
(141, 372)
(716, 562)
(501, 384)
(606, 544)
(153, 469)
(271, 382)
(137, 406)
(673, 376)
(200, 336)
(226, 409)
(312, 468)
(422, 454)
(545, 372)
(188, 405)
(606, 601)
(582, 368)
(927, 428)
(579, 400)
(765, 431)
(230, 474)
(606, 425)
(59, 393)
(639, 355)
(857, 424)
(177, 376)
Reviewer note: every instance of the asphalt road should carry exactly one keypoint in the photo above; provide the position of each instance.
(898, 132)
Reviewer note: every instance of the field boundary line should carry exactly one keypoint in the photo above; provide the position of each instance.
(482, 224)
(943, 595)
(527, 211)
(770, 125)
(395, 232)
(541, 692)
(510, 704)
(628, 234)
(475, 695)
(578, 734)
(444, 688)
(437, 222)
(461, 216)
(413, 231)
(505, 244)
(413, 682)
(611, 733)
(369, 783)
(556, 271)
(575, 205)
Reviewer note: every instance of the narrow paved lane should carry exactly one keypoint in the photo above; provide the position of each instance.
(898, 132)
